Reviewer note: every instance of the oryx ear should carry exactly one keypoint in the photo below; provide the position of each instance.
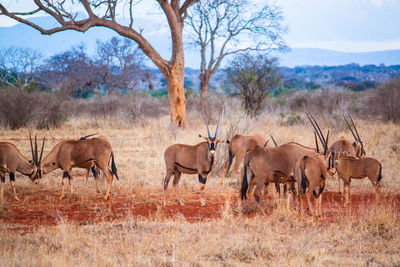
(202, 136)
(220, 140)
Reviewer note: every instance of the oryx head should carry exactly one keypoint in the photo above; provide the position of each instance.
(212, 141)
(358, 144)
(336, 156)
(36, 175)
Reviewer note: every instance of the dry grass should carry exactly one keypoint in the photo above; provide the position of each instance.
(280, 239)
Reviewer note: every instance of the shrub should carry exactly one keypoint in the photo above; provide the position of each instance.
(384, 101)
(253, 76)
(19, 108)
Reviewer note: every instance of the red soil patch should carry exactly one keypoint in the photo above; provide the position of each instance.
(44, 208)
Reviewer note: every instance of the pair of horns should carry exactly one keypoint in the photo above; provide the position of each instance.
(216, 129)
(355, 132)
(318, 132)
(325, 145)
(35, 158)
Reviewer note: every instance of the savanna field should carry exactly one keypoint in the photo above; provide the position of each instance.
(134, 228)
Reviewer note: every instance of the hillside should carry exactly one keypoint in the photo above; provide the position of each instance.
(22, 35)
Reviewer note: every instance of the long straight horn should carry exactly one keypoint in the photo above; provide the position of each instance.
(355, 128)
(33, 154)
(326, 143)
(36, 152)
(216, 129)
(41, 152)
(313, 123)
(316, 142)
(351, 129)
(273, 140)
(319, 130)
(208, 130)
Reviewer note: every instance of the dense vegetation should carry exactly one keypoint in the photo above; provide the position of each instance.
(44, 93)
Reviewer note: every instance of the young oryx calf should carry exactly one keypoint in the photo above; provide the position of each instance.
(197, 159)
(353, 168)
(11, 160)
(86, 153)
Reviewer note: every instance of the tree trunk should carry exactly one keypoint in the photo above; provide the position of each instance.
(203, 92)
(176, 95)
(204, 81)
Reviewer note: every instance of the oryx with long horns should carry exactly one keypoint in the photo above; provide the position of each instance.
(197, 159)
(12, 160)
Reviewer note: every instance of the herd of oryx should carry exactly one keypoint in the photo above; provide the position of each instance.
(302, 169)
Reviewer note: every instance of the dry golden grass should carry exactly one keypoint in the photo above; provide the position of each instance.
(280, 239)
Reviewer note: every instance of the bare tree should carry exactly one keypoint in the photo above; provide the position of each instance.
(104, 13)
(72, 72)
(119, 64)
(18, 66)
(225, 27)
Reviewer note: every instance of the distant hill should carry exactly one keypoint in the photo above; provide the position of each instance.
(25, 36)
(322, 57)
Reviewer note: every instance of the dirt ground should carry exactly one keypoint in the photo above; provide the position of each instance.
(43, 208)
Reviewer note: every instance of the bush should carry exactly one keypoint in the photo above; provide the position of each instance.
(384, 102)
(23, 109)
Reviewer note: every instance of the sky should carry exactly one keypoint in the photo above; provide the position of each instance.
(342, 25)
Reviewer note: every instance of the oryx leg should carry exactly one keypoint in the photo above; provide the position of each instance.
(290, 189)
(96, 176)
(202, 182)
(66, 175)
(12, 182)
(109, 176)
(346, 191)
(318, 202)
(239, 158)
(3, 180)
(378, 188)
(175, 182)
(338, 180)
(250, 190)
(227, 166)
(257, 192)
(166, 181)
(309, 204)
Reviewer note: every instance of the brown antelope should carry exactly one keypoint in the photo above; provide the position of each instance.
(275, 164)
(353, 168)
(312, 172)
(238, 146)
(197, 159)
(271, 165)
(95, 171)
(355, 148)
(12, 160)
(85, 153)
